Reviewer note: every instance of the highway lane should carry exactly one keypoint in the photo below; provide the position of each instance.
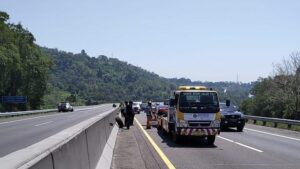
(256, 148)
(15, 135)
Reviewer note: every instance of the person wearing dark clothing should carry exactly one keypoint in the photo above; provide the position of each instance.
(148, 111)
(129, 115)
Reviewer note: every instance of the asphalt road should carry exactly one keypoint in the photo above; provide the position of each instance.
(256, 148)
(18, 134)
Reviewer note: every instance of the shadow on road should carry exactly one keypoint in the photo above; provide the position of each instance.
(185, 142)
(230, 130)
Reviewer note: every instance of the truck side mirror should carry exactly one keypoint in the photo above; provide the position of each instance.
(227, 103)
(172, 102)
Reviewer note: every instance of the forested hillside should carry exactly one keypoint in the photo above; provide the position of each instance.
(103, 79)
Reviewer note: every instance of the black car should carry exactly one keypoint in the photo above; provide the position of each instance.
(231, 117)
(64, 106)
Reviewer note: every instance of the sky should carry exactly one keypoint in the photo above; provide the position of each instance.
(211, 40)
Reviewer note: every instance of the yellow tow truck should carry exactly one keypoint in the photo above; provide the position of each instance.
(193, 111)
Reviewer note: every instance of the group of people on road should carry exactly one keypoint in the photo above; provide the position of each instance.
(128, 113)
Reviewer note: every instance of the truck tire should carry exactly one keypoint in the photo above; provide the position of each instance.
(159, 125)
(211, 140)
(176, 138)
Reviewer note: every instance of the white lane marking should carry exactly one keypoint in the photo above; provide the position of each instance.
(255, 149)
(41, 124)
(31, 118)
(44, 116)
(277, 135)
(249, 147)
(226, 139)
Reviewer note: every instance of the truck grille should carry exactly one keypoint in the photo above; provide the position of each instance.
(199, 123)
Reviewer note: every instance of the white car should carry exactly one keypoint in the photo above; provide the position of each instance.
(136, 107)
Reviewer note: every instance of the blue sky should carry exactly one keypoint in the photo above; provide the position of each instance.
(202, 40)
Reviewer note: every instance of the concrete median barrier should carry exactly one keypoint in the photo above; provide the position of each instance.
(80, 146)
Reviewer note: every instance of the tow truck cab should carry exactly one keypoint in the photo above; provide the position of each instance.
(193, 111)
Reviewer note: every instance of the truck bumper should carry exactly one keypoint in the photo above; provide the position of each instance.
(198, 131)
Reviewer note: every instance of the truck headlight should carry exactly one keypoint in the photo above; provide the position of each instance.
(183, 123)
(215, 123)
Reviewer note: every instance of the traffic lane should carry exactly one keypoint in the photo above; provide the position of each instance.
(30, 119)
(194, 153)
(20, 134)
(17, 118)
(275, 144)
(288, 133)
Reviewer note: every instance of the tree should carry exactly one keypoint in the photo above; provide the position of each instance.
(24, 67)
(278, 95)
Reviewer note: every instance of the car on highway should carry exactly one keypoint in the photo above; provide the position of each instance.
(65, 107)
(162, 110)
(231, 117)
(143, 106)
(136, 107)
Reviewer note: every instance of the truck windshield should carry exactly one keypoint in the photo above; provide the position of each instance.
(198, 102)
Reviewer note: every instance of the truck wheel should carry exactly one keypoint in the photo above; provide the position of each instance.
(223, 128)
(211, 140)
(176, 138)
(240, 128)
(159, 127)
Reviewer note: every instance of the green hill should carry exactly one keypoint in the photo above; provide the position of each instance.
(102, 79)
(97, 80)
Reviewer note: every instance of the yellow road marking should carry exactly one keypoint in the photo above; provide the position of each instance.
(155, 146)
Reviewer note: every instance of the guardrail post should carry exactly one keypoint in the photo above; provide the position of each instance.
(254, 121)
(289, 126)
(264, 123)
(275, 125)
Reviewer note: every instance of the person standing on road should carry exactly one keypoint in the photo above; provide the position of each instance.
(148, 111)
(129, 115)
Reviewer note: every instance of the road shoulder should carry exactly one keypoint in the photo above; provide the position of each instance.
(134, 151)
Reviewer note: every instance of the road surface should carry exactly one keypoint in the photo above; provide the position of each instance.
(18, 134)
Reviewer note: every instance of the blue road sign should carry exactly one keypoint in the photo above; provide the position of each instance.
(14, 99)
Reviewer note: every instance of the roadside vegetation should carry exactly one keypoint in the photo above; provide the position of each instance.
(277, 95)
(23, 66)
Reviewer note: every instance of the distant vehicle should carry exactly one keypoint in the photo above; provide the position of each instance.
(64, 106)
(162, 110)
(143, 106)
(136, 107)
(230, 117)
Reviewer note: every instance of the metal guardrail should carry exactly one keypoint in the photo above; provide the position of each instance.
(273, 120)
(22, 113)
